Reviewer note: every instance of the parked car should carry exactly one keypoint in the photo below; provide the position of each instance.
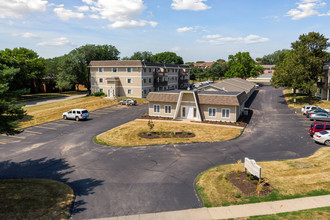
(318, 110)
(319, 117)
(318, 127)
(308, 108)
(322, 137)
(128, 102)
(77, 114)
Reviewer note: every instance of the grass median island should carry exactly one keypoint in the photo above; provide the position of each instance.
(302, 100)
(43, 96)
(39, 114)
(289, 179)
(128, 134)
(34, 199)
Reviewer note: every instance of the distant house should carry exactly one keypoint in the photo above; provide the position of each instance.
(221, 101)
(203, 65)
(135, 78)
(267, 75)
(323, 85)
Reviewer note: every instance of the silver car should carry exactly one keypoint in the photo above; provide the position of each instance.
(319, 117)
(322, 137)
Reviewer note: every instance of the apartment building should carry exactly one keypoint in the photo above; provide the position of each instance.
(323, 84)
(135, 78)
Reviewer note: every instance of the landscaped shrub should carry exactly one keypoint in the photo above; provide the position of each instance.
(99, 94)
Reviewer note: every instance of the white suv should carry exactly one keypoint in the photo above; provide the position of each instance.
(77, 114)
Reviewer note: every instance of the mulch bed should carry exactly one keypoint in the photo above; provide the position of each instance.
(246, 185)
(154, 135)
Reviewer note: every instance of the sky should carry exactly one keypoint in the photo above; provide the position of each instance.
(197, 30)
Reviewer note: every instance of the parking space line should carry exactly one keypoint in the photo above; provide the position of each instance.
(99, 113)
(2, 143)
(34, 132)
(13, 136)
(52, 123)
(45, 127)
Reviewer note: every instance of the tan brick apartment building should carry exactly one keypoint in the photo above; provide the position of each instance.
(135, 78)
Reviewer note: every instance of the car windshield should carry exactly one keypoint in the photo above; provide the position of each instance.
(85, 111)
(324, 132)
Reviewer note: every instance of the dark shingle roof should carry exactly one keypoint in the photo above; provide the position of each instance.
(132, 63)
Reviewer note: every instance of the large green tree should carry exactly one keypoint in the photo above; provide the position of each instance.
(10, 113)
(31, 68)
(308, 54)
(167, 57)
(143, 56)
(241, 65)
(73, 68)
(274, 58)
(215, 71)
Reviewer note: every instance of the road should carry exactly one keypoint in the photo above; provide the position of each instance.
(112, 181)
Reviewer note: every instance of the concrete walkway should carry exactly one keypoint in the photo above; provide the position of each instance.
(236, 211)
(46, 101)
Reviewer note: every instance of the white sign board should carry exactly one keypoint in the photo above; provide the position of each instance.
(252, 167)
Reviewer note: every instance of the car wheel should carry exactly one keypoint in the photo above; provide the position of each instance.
(327, 142)
(77, 118)
(64, 117)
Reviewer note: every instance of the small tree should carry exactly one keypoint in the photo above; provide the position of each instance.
(151, 124)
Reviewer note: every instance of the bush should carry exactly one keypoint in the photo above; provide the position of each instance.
(99, 94)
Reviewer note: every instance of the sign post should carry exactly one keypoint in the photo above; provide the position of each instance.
(252, 167)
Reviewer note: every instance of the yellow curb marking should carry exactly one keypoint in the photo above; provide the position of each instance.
(34, 132)
(12, 136)
(45, 127)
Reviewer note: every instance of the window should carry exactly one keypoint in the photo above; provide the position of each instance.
(129, 69)
(144, 70)
(149, 80)
(129, 91)
(100, 90)
(144, 80)
(78, 112)
(100, 69)
(101, 80)
(212, 112)
(129, 81)
(327, 127)
(145, 91)
(319, 126)
(168, 109)
(114, 70)
(73, 112)
(225, 112)
(149, 90)
(149, 70)
(195, 113)
(156, 108)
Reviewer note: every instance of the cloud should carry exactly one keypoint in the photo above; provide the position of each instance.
(307, 8)
(194, 5)
(176, 49)
(217, 39)
(20, 8)
(83, 8)
(121, 14)
(67, 14)
(26, 35)
(57, 42)
(184, 29)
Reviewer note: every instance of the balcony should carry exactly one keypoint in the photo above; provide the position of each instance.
(160, 84)
(160, 74)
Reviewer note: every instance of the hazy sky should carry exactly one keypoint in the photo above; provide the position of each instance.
(194, 29)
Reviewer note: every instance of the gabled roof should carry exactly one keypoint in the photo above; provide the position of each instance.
(234, 84)
(205, 97)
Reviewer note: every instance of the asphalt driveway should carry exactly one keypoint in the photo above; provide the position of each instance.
(113, 181)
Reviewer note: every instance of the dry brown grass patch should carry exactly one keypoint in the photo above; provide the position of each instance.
(127, 134)
(289, 177)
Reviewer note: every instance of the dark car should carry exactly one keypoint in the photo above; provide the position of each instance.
(319, 126)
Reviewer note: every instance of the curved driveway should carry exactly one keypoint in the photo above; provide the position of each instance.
(113, 181)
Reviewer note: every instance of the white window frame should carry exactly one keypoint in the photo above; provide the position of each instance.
(168, 109)
(100, 69)
(213, 113)
(225, 109)
(129, 91)
(129, 79)
(129, 68)
(100, 80)
(114, 69)
(155, 108)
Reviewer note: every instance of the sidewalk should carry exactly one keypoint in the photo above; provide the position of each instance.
(46, 101)
(236, 211)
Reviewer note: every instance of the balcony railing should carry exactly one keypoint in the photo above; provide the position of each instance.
(160, 83)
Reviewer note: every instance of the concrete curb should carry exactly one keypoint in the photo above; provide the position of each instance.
(236, 211)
